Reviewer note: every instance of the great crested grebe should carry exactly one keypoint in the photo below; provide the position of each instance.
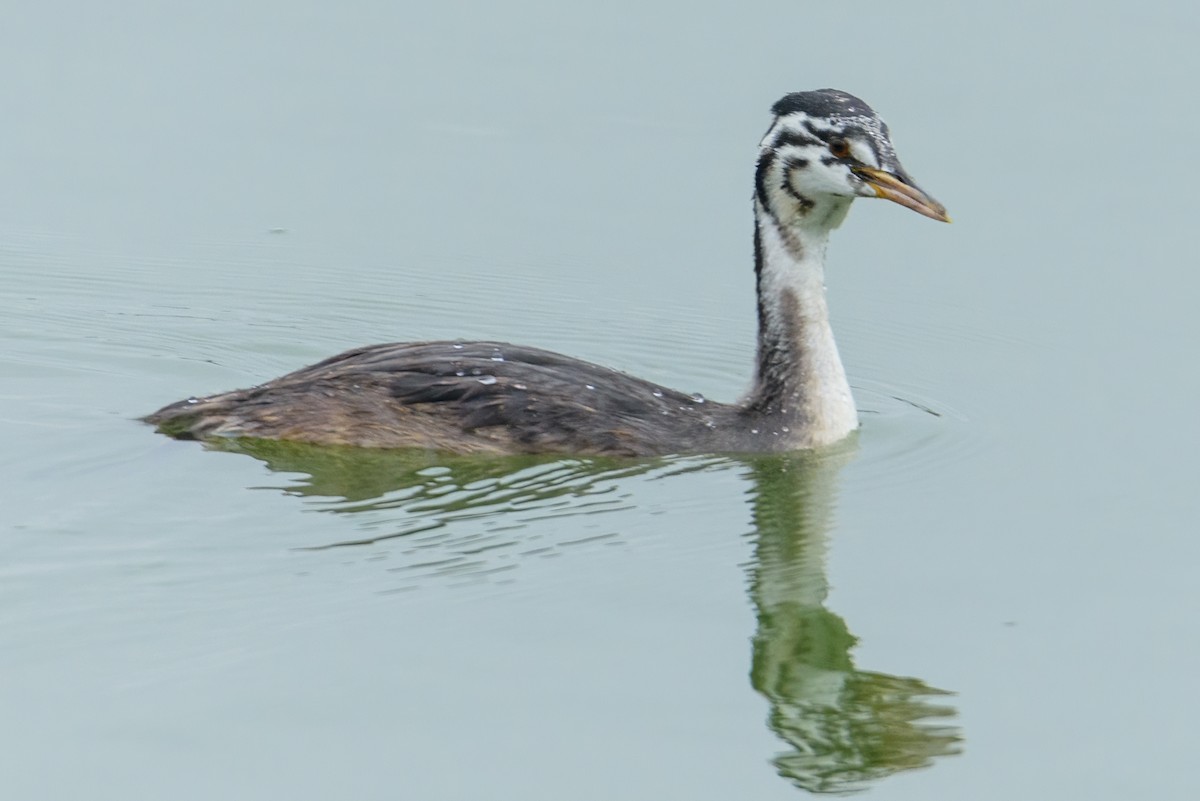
(823, 149)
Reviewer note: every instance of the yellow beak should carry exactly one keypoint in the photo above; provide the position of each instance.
(888, 186)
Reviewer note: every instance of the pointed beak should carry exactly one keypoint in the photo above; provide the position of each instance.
(891, 187)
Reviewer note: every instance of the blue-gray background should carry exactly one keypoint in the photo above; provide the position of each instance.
(195, 197)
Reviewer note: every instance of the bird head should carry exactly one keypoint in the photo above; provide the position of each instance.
(824, 149)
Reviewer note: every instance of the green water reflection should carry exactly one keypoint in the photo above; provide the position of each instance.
(843, 727)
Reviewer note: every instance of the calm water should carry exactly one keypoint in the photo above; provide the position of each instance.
(988, 594)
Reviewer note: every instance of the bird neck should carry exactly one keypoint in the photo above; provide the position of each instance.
(800, 383)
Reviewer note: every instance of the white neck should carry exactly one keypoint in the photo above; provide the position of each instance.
(800, 379)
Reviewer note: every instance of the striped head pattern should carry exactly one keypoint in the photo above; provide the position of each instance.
(824, 149)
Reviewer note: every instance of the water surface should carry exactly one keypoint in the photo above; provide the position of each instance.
(986, 594)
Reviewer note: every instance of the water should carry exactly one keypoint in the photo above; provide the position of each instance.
(988, 593)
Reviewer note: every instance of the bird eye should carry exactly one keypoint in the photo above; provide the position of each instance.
(840, 148)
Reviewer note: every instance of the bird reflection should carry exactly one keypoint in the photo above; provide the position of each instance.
(843, 728)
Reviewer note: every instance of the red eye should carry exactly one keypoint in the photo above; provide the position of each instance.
(840, 148)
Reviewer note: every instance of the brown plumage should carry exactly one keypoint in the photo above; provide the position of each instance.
(477, 397)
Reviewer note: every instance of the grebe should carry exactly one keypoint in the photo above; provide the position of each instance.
(823, 149)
